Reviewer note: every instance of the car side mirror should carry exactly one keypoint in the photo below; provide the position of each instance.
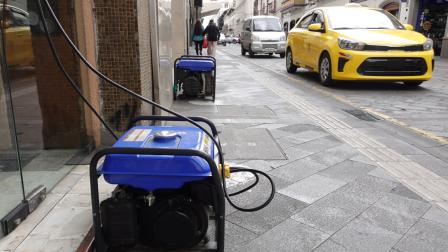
(315, 27)
(247, 28)
(408, 27)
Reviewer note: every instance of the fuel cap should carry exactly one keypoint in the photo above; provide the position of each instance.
(164, 135)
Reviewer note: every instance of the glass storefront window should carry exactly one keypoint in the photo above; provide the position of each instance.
(10, 174)
(49, 116)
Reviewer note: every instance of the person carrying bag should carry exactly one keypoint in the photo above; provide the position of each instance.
(213, 34)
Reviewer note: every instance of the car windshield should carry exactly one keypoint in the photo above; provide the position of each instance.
(360, 18)
(267, 24)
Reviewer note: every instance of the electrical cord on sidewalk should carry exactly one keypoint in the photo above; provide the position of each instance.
(140, 97)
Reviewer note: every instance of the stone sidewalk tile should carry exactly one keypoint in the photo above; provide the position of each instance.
(407, 193)
(361, 235)
(394, 213)
(347, 170)
(327, 218)
(287, 236)
(436, 214)
(298, 169)
(379, 172)
(367, 189)
(319, 144)
(330, 246)
(237, 236)
(424, 236)
(280, 209)
(312, 188)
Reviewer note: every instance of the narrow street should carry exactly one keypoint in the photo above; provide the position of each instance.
(344, 183)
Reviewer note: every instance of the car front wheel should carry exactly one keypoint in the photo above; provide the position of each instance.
(325, 70)
(282, 55)
(290, 67)
(251, 53)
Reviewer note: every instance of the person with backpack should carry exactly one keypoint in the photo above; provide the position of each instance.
(198, 37)
(213, 34)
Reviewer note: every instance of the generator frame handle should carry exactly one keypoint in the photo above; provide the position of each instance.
(100, 244)
(174, 119)
(199, 57)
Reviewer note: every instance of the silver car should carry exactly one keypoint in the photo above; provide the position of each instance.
(263, 34)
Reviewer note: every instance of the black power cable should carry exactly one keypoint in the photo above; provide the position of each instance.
(130, 92)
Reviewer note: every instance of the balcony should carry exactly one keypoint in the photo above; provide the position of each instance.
(287, 4)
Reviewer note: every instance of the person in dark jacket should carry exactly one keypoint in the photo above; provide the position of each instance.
(213, 35)
(198, 37)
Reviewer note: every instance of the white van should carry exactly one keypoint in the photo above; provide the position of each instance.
(263, 34)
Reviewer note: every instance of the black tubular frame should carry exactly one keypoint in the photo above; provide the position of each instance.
(198, 57)
(174, 119)
(100, 243)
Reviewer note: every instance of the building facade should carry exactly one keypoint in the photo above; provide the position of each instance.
(45, 128)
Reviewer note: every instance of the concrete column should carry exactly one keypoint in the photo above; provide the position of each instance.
(5, 133)
(124, 54)
(179, 27)
(62, 112)
(89, 81)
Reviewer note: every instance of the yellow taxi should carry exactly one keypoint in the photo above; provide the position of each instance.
(19, 49)
(359, 43)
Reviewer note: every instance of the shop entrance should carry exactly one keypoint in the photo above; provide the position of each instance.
(432, 21)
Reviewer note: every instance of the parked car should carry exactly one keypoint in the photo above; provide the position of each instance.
(358, 43)
(263, 34)
(19, 49)
(222, 40)
(229, 39)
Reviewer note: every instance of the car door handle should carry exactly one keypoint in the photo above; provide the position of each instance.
(20, 34)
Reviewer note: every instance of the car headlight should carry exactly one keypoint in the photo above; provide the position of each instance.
(351, 45)
(283, 38)
(255, 38)
(427, 46)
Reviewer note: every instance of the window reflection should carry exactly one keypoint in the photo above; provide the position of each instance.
(49, 117)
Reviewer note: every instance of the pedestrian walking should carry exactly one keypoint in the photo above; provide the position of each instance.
(213, 34)
(198, 37)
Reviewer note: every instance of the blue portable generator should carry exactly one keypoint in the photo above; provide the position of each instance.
(168, 187)
(195, 76)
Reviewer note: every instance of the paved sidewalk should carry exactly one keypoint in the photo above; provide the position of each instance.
(332, 193)
(330, 196)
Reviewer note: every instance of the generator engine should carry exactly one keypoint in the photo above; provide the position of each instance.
(161, 201)
(192, 84)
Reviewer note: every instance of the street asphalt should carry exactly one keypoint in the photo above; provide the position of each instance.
(345, 180)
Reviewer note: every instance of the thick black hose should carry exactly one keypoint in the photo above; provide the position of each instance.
(246, 188)
(130, 92)
(67, 76)
(253, 171)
